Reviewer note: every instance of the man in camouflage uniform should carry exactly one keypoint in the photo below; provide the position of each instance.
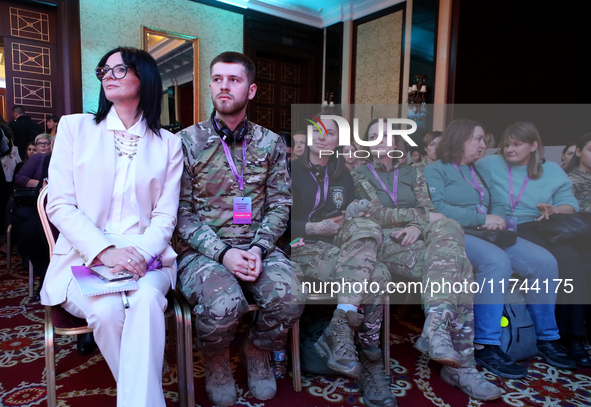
(219, 255)
(439, 254)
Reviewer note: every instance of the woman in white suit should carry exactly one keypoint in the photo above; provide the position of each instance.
(114, 174)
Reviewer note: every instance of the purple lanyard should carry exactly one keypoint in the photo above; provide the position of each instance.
(240, 178)
(475, 184)
(521, 191)
(394, 194)
(317, 202)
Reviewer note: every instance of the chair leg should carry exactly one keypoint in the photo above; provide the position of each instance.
(169, 348)
(180, 356)
(49, 360)
(8, 250)
(185, 349)
(296, 371)
(31, 279)
(386, 334)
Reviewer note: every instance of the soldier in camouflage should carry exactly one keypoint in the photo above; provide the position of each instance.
(223, 250)
(336, 250)
(420, 244)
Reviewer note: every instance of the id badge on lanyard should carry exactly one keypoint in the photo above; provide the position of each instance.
(242, 210)
(242, 206)
(512, 223)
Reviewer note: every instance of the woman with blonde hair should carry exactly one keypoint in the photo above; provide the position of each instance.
(531, 189)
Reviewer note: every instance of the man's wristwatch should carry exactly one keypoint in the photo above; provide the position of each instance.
(264, 250)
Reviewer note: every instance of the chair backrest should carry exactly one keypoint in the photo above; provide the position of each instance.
(51, 232)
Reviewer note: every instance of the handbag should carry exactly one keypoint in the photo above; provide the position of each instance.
(562, 226)
(498, 237)
(25, 197)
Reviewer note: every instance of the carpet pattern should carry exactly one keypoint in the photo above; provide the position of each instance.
(86, 380)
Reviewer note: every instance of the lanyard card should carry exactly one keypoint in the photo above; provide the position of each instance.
(481, 209)
(242, 210)
(512, 223)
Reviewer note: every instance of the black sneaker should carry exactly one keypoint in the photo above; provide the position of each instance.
(576, 351)
(498, 362)
(555, 354)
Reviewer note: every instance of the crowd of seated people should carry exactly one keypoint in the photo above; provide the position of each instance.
(236, 188)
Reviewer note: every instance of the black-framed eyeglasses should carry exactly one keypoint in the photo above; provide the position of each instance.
(42, 143)
(119, 71)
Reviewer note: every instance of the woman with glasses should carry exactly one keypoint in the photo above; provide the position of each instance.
(114, 193)
(30, 174)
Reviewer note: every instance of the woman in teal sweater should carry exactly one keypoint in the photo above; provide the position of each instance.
(461, 192)
(532, 189)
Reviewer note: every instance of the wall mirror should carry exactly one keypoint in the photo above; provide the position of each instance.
(177, 56)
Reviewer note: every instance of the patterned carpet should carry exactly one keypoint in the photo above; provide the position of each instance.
(86, 380)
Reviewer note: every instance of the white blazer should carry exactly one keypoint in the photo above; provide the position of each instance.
(81, 180)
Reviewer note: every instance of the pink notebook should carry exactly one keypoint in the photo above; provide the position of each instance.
(92, 285)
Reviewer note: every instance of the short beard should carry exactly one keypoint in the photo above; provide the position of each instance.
(229, 110)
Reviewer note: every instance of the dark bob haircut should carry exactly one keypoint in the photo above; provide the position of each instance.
(451, 146)
(146, 70)
(236, 58)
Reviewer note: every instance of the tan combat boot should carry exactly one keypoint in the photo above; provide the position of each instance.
(471, 382)
(374, 384)
(261, 380)
(338, 345)
(437, 339)
(219, 383)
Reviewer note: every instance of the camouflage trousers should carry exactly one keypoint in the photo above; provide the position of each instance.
(439, 254)
(351, 258)
(219, 302)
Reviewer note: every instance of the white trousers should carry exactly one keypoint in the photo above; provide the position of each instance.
(131, 340)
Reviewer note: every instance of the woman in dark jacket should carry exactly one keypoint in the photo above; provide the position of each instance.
(337, 250)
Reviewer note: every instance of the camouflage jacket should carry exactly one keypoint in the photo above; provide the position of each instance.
(366, 187)
(582, 188)
(421, 164)
(208, 187)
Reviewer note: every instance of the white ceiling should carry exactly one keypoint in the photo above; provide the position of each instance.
(316, 13)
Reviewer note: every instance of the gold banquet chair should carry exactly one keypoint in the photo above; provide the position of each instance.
(59, 321)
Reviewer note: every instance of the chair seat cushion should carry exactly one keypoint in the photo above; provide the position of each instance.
(64, 320)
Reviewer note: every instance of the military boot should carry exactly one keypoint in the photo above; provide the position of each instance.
(337, 343)
(471, 382)
(219, 383)
(374, 384)
(437, 339)
(261, 380)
